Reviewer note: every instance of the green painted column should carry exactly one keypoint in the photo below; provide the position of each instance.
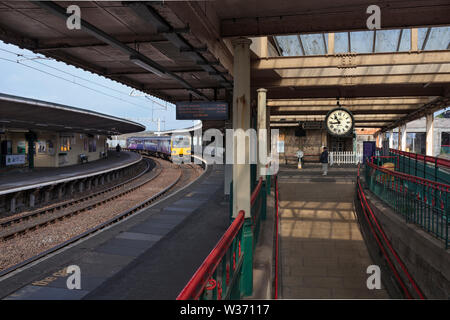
(247, 267)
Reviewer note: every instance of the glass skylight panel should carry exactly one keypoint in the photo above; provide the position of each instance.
(340, 42)
(405, 43)
(387, 40)
(289, 45)
(361, 41)
(313, 44)
(422, 32)
(439, 38)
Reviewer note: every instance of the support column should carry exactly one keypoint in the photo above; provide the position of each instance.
(241, 172)
(262, 124)
(430, 135)
(241, 120)
(32, 200)
(402, 137)
(391, 139)
(382, 139)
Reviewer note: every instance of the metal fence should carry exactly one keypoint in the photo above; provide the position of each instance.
(418, 200)
(344, 157)
(219, 275)
(227, 272)
(431, 168)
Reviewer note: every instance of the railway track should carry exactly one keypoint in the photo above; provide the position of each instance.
(179, 177)
(21, 224)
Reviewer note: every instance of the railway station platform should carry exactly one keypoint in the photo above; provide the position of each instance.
(25, 189)
(150, 255)
(322, 251)
(24, 178)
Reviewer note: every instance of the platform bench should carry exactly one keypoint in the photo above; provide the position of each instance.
(83, 158)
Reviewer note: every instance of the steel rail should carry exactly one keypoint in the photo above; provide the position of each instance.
(8, 234)
(137, 208)
(65, 204)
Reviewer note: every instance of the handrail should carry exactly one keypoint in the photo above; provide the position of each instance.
(199, 280)
(256, 191)
(428, 183)
(276, 235)
(362, 197)
(424, 158)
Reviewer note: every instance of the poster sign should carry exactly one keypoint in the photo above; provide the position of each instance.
(15, 159)
(280, 146)
(21, 146)
(211, 110)
(42, 146)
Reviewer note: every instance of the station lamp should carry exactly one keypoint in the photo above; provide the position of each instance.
(146, 66)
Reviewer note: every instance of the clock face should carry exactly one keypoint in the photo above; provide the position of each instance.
(339, 122)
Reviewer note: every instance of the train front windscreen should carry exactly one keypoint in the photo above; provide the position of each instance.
(181, 145)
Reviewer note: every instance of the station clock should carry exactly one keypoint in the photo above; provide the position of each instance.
(339, 122)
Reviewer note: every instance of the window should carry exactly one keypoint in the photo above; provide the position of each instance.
(181, 142)
(65, 144)
(92, 145)
(415, 142)
(445, 143)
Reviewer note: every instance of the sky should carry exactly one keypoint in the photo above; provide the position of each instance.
(35, 76)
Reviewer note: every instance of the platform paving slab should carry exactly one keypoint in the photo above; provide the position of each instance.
(151, 255)
(323, 254)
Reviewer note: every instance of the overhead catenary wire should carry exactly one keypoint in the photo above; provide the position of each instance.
(33, 59)
(61, 78)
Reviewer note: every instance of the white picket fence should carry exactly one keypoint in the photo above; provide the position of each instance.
(344, 157)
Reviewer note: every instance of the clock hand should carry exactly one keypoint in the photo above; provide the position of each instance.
(335, 117)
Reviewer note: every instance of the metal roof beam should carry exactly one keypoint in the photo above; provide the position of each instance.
(99, 34)
(353, 60)
(397, 102)
(317, 17)
(353, 80)
(425, 41)
(431, 107)
(150, 15)
(399, 40)
(274, 111)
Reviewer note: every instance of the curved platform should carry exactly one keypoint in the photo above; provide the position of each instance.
(150, 255)
(24, 179)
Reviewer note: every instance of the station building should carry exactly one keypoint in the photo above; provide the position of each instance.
(36, 133)
(416, 137)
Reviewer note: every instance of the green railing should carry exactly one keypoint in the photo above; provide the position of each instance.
(220, 275)
(418, 200)
(431, 168)
(227, 272)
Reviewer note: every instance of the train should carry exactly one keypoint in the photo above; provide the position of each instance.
(166, 147)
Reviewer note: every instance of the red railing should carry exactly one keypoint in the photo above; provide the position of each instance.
(371, 221)
(408, 177)
(276, 237)
(195, 287)
(255, 192)
(421, 157)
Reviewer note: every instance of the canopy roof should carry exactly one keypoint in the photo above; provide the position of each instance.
(24, 113)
